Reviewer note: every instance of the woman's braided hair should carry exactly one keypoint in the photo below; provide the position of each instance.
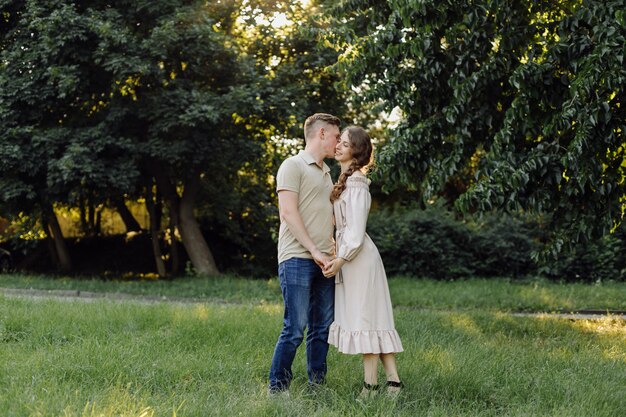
(361, 146)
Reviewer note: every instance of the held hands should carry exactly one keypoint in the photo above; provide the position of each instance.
(321, 259)
(333, 267)
(330, 266)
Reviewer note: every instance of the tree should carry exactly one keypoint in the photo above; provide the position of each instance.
(173, 101)
(526, 95)
(116, 92)
(53, 144)
(292, 81)
(185, 81)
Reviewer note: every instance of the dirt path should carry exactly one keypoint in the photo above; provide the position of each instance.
(87, 296)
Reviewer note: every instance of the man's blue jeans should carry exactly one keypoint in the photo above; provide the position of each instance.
(309, 299)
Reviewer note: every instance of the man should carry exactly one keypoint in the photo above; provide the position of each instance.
(305, 246)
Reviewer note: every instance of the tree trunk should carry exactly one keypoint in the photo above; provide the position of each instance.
(174, 251)
(132, 225)
(91, 210)
(171, 196)
(50, 243)
(195, 244)
(54, 229)
(98, 226)
(83, 215)
(181, 213)
(154, 210)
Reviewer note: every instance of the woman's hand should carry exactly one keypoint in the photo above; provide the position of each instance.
(333, 267)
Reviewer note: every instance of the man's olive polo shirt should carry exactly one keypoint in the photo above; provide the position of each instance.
(302, 175)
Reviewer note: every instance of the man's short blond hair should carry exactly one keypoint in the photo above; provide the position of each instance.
(311, 121)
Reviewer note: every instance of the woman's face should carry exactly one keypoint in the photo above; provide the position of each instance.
(343, 151)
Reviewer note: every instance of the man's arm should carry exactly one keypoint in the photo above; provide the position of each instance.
(290, 214)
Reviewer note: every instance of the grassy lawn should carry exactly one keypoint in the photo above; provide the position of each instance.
(465, 356)
(474, 294)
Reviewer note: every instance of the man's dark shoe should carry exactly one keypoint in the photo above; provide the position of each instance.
(278, 393)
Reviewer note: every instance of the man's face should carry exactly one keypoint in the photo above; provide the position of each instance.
(330, 135)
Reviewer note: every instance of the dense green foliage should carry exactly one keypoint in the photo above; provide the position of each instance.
(189, 106)
(431, 243)
(592, 261)
(181, 103)
(53, 143)
(511, 104)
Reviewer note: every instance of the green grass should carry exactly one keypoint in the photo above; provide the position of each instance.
(225, 288)
(474, 294)
(108, 358)
(504, 295)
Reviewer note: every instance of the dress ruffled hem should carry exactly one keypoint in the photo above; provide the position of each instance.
(364, 341)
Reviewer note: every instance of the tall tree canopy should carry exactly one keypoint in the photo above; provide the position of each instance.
(168, 100)
(53, 144)
(521, 100)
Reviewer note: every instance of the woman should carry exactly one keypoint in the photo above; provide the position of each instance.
(363, 314)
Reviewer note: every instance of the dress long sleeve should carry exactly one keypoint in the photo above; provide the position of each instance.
(357, 206)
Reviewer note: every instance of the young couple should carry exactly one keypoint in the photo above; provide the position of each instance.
(357, 299)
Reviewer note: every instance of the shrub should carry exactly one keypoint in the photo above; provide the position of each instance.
(595, 261)
(422, 243)
(503, 246)
(432, 243)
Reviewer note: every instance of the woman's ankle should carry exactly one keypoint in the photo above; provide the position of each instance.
(372, 385)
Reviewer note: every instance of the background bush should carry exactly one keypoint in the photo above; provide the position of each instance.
(432, 243)
(428, 243)
(594, 261)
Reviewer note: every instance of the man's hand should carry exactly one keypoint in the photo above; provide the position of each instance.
(321, 258)
(333, 267)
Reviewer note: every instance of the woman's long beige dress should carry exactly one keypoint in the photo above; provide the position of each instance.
(363, 314)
